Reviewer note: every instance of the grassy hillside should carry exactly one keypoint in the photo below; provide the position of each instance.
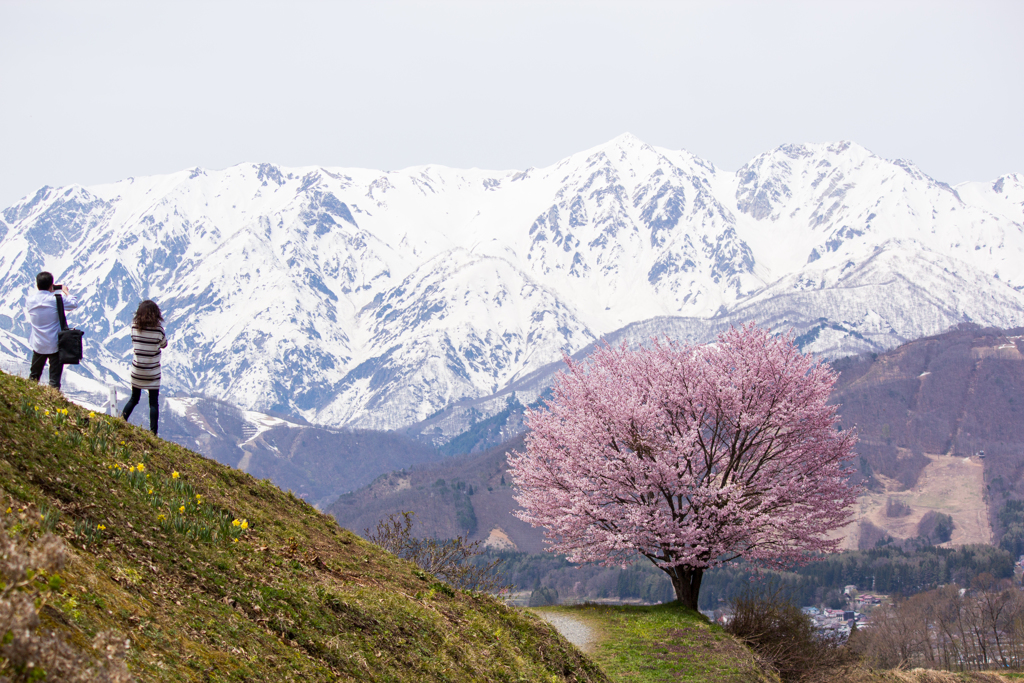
(291, 596)
(663, 643)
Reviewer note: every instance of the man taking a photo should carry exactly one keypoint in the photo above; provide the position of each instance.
(41, 310)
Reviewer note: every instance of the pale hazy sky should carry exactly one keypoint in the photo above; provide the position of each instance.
(92, 92)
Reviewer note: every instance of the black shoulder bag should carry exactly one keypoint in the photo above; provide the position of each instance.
(69, 342)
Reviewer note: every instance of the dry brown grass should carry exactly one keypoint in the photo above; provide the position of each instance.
(948, 484)
(862, 675)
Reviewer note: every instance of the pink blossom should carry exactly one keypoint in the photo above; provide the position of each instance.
(692, 456)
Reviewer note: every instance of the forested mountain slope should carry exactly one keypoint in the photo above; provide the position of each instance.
(950, 402)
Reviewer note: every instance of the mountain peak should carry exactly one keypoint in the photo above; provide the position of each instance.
(626, 138)
(626, 143)
(844, 148)
(409, 290)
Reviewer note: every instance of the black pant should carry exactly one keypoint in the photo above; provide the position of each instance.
(154, 406)
(56, 367)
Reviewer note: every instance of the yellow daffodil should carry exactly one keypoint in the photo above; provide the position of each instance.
(122, 443)
(101, 527)
(245, 524)
(92, 414)
(181, 509)
(160, 518)
(8, 511)
(236, 523)
(37, 407)
(175, 475)
(140, 467)
(150, 491)
(46, 412)
(132, 468)
(234, 540)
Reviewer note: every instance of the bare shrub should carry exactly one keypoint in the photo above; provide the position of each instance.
(784, 637)
(935, 526)
(450, 560)
(542, 597)
(871, 536)
(28, 579)
(894, 507)
(897, 636)
(948, 628)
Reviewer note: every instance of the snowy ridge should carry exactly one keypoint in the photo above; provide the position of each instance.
(362, 298)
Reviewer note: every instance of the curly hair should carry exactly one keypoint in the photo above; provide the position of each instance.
(148, 316)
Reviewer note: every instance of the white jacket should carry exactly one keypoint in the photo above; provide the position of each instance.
(41, 311)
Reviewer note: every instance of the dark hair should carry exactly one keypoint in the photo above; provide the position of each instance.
(148, 316)
(44, 280)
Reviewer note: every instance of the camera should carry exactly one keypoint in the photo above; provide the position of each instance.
(58, 287)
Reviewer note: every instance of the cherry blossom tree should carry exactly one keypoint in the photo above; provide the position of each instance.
(691, 456)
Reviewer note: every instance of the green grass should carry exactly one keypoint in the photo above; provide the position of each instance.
(664, 643)
(292, 597)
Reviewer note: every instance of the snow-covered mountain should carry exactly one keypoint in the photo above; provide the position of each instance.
(373, 299)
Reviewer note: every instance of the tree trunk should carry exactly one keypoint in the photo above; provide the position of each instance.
(686, 582)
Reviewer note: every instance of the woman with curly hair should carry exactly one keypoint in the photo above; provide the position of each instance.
(148, 339)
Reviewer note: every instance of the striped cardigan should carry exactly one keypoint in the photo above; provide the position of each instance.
(146, 364)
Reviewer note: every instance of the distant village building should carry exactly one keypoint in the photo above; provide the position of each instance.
(868, 600)
(840, 622)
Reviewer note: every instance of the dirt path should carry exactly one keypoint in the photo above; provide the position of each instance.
(573, 629)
